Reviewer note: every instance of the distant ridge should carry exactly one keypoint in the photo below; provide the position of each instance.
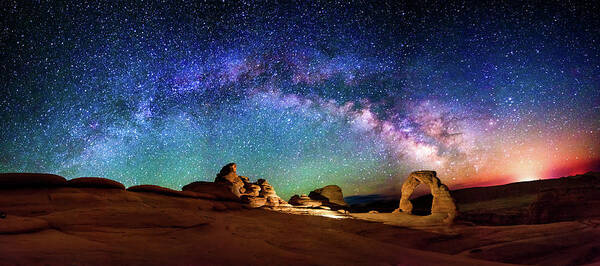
(472, 194)
(513, 203)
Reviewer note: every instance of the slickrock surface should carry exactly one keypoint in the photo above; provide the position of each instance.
(218, 190)
(170, 192)
(21, 180)
(106, 226)
(97, 182)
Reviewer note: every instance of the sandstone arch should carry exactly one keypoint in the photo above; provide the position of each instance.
(443, 205)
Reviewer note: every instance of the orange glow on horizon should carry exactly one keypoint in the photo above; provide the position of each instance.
(557, 171)
(529, 157)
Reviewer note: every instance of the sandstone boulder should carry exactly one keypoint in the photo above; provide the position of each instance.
(254, 201)
(304, 201)
(229, 185)
(268, 192)
(244, 179)
(94, 182)
(330, 196)
(342, 211)
(25, 180)
(251, 189)
(228, 177)
(443, 204)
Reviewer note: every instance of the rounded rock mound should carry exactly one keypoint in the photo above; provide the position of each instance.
(218, 190)
(304, 201)
(169, 192)
(26, 180)
(95, 182)
(330, 195)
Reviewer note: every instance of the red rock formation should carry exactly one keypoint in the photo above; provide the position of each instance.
(18, 225)
(86, 226)
(254, 201)
(169, 192)
(251, 189)
(229, 185)
(518, 189)
(94, 182)
(442, 201)
(304, 201)
(21, 180)
(268, 192)
(565, 204)
(228, 177)
(219, 190)
(330, 196)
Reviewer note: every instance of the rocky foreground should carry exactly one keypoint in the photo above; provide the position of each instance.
(48, 220)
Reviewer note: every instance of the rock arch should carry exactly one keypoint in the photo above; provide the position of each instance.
(443, 205)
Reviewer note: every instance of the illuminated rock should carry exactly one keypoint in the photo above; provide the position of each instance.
(254, 202)
(229, 185)
(330, 196)
(443, 208)
(244, 179)
(268, 192)
(251, 189)
(342, 211)
(228, 176)
(443, 205)
(304, 201)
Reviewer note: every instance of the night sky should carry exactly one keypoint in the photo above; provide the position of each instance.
(304, 94)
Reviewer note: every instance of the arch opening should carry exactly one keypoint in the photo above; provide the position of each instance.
(441, 201)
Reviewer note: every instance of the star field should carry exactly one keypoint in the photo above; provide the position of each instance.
(303, 94)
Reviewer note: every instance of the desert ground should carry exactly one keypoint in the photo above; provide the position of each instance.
(60, 225)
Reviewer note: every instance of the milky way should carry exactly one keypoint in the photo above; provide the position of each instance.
(303, 94)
